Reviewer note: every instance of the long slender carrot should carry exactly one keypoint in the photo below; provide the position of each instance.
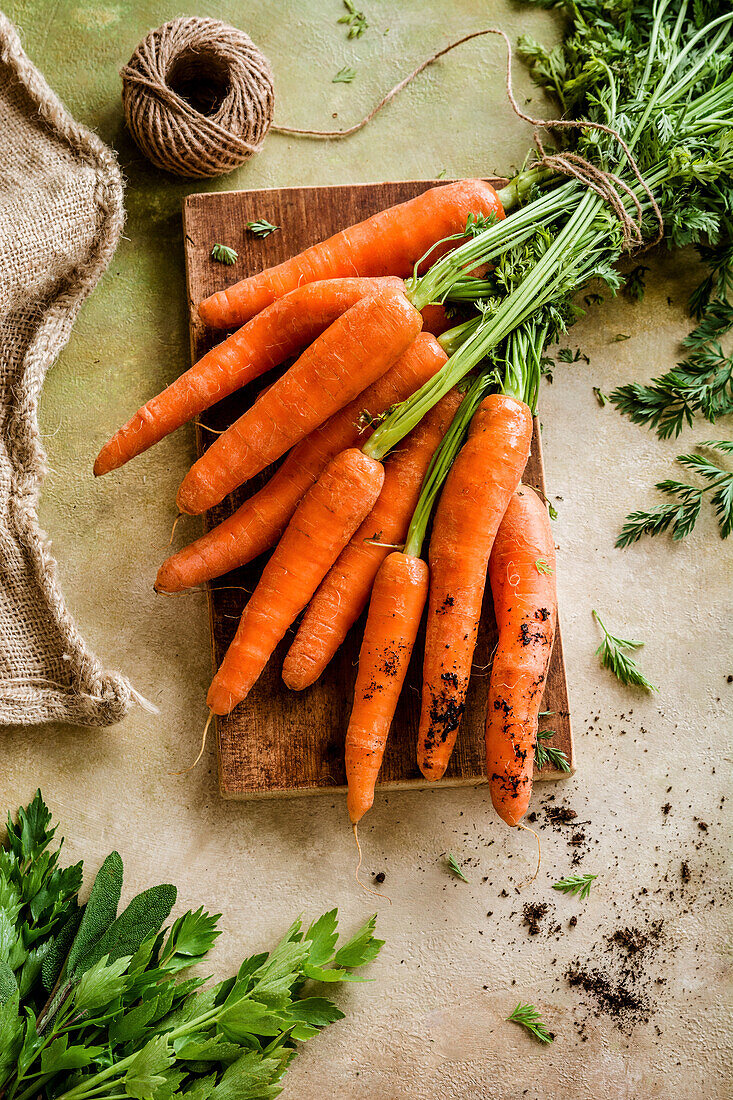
(398, 598)
(344, 593)
(359, 347)
(260, 521)
(395, 609)
(522, 576)
(389, 243)
(476, 494)
(271, 337)
(323, 523)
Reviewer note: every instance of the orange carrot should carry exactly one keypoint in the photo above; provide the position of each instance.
(323, 523)
(522, 576)
(435, 319)
(475, 496)
(395, 609)
(359, 347)
(344, 593)
(281, 330)
(388, 243)
(259, 522)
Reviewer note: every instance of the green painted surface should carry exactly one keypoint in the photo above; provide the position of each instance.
(457, 958)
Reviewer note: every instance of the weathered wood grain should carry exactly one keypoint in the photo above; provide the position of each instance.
(280, 743)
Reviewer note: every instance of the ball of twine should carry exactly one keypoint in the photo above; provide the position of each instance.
(198, 97)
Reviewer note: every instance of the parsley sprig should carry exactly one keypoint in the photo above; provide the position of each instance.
(681, 513)
(93, 1005)
(530, 1019)
(575, 885)
(614, 654)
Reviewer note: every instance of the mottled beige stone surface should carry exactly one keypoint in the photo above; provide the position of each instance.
(431, 1024)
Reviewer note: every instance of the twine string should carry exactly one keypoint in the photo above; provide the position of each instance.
(607, 185)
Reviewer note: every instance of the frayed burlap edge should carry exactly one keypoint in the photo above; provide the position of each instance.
(93, 696)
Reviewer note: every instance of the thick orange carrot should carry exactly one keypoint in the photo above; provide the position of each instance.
(323, 523)
(344, 593)
(388, 243)
(359, 347)
(259, 522)
(475, 496)
(281, 330)
(522, 576)
(395, 609)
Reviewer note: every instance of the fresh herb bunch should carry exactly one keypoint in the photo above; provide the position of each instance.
(92, 1004)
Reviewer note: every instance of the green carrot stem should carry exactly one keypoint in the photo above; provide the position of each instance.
(442, 461)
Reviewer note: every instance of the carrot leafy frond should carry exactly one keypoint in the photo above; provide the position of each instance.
(680, 514)
(454, 866)
(262, 228)
(576, 885)
(614, 654)
(548, 754)
(529, 1018)
(222, 254)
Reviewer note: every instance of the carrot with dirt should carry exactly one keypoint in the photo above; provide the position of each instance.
(359, 347)
(344, 592)
(522, 577)
(476, 493)
(388, 243)
(280, 331)
(395, 610)
(323, 523)
(259, 522)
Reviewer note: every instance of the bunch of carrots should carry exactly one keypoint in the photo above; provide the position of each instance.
(347, 510)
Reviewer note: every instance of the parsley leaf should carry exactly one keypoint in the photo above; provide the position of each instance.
(344, 76)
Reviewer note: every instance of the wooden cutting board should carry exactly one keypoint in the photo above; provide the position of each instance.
(278, 742)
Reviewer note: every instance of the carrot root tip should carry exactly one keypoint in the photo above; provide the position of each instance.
(527, 829)
(201, 750)
(366, 889)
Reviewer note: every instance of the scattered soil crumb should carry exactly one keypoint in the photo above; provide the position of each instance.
(560, 815)
(533, 914)
(616, 978)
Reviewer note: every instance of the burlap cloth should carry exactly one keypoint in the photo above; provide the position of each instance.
(60, 218)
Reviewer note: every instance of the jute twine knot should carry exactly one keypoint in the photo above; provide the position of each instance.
(198, 97)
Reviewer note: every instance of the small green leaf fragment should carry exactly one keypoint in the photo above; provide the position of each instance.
(454, 866)
(222, 254)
